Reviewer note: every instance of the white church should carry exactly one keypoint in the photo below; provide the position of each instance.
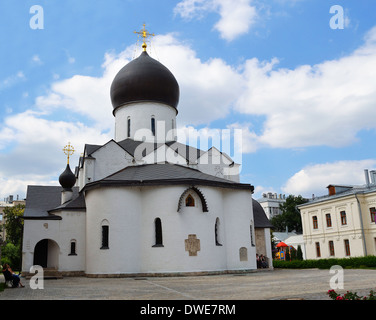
(143, 203)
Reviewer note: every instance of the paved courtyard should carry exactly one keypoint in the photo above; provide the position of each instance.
(279, 284)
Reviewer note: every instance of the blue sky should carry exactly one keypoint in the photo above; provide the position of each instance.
(303, 92)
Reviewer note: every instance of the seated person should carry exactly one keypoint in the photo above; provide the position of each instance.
(10, 275)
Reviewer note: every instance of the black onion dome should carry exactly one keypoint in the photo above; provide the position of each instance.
(67, 179)
(144, 79)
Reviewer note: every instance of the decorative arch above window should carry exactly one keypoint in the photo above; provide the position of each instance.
(185, 195)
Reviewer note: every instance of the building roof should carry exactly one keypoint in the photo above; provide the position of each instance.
(144, 79)
(348, 191)
(131, 146)
(261, 221)
(164, 174)
(42, 200)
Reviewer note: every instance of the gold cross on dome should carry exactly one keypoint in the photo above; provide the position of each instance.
(144, 34)
(68, 150)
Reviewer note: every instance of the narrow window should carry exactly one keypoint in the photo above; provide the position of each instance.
(314, 220)
(347, 247)
(343, 218)
(189, 201)
(328, 220)
(129, 127)
(216, 230)
(158, 233)
(73, 248)
(373, 213)
(318, 252)
(331, 248)
(251, 232)
(105, 233)
(153, 126)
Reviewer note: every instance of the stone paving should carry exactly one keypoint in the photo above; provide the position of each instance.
(278, 284)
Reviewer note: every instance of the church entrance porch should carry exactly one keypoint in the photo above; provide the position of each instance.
(46, 254)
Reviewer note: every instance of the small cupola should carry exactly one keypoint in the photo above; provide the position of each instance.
(67, 179)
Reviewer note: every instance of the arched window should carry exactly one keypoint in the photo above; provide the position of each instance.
(73, 248)
(189, 201)
(129, 127)
(105, 234)
(153, 126)
(217, 235)
(186, 199)
(158, 233)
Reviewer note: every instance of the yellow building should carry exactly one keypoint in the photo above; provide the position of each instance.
(341, 224)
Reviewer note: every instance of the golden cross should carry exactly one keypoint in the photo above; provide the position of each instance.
(68, 150)
(145, 34)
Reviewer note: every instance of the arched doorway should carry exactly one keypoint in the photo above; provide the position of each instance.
(46, 254)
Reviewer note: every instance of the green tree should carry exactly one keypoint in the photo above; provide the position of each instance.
(11, 254)
(290, 216)
(14, 223)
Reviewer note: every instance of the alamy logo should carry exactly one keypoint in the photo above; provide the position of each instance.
(37, 280)
(37, 20)
(336, 281)
(338, 20)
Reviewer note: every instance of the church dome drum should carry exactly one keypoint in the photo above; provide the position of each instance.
(144, 79)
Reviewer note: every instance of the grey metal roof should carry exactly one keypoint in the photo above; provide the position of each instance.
(164, 174)
(40, 200)
(189, 153)
(348, 192)
(261, 220)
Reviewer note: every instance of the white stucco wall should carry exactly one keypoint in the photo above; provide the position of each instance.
(131, 212)
(338, 233)
(71, 227)
(140, 114)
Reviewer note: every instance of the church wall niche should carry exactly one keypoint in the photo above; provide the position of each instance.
(243, 254)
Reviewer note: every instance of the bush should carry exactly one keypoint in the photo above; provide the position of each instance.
(350, 296)
(357, 262)
(11, 254)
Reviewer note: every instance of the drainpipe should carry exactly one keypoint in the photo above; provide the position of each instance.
(361, 225)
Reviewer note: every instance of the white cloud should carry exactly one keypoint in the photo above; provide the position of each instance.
(325, 104)
(236, 17)
(313, 179)
(12, 80)
(35, 155)
(36, 59)
(208, 89)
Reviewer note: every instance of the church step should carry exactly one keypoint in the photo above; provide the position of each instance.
(48, 273)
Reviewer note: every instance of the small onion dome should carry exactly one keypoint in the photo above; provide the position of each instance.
(67, 179)
(144, 79)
